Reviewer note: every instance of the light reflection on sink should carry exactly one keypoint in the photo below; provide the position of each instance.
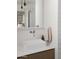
(31, 44)
(34, 44)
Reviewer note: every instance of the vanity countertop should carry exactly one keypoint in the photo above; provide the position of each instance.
(32, 46)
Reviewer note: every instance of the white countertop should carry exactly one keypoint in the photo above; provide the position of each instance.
(32, 46)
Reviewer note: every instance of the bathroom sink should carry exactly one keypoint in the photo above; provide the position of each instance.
(31, 46)
(34, 44)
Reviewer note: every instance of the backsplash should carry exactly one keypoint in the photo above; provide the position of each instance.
(24, 35)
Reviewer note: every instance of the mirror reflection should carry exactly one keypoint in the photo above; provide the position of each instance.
(29, 13)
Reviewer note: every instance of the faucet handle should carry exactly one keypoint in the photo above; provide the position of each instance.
(30, 31)
(33, 31)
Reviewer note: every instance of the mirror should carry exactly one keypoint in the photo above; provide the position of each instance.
(29, 13)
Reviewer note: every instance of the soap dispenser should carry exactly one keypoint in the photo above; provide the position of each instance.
(43, 38)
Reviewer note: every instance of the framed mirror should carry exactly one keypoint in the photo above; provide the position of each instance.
(29, 13)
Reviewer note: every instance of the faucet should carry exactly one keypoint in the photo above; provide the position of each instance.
(33, 32)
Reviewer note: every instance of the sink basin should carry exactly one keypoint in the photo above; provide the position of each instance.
(31, 46)
(34, 44)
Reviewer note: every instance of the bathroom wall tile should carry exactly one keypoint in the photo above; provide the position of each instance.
(26, 35)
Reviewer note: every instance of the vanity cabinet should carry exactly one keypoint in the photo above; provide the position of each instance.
(48, 54)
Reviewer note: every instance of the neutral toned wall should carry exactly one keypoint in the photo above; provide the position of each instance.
(51, 20)
(26, 35)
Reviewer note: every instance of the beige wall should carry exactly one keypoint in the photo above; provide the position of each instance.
(51, 19)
